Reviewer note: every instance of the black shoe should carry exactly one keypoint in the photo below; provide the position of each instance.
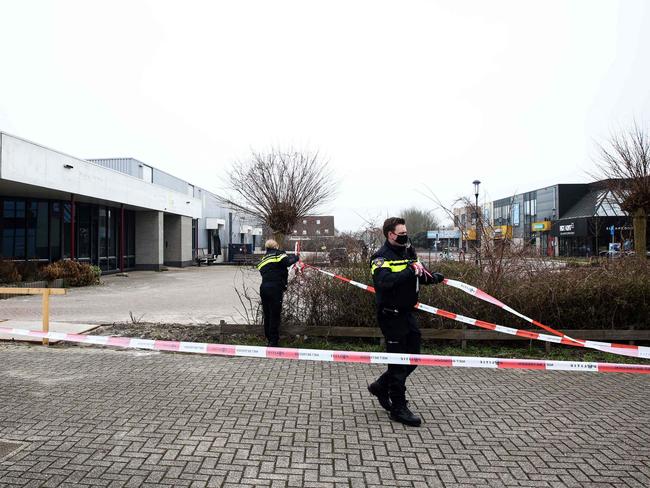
(381, 394)
(403, 415)
(272, 344)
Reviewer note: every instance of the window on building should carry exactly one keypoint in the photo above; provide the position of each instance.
(317, 222)
(327, 231)
(608, 206)
(82, 217)
(8, 228)
(317, 232)
(55, 231)
(103, 241)
(67, 229)
(304, 222)
(304, 232)
(295, 231)
(129, 229)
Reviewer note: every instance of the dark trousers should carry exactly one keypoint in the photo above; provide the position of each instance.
(402, 335)
(271, 294)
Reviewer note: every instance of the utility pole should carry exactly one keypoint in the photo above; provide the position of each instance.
(476, 184)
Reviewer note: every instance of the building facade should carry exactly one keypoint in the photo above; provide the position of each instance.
(115, 213)
(313, 227)
(562, 220)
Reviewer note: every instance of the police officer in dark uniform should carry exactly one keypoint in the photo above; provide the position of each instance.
(397, 276)
(274, 268)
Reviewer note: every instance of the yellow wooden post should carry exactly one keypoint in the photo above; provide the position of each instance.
(46, 313)
(46, 292)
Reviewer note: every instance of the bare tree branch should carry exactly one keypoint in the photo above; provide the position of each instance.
(280, 187)
(624, 160)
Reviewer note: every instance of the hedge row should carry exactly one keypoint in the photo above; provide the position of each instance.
(613, 295)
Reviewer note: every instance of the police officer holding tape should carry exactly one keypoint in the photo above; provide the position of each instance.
(274, 268)
(397, 274)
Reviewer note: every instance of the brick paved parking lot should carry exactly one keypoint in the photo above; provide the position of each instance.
(89, 417)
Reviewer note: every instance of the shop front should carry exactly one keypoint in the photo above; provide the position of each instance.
(587, 236)
(49, 230)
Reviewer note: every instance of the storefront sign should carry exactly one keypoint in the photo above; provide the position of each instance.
(443, 234)
(515, 214)
(544, 226)
(567, 229)
(573, 227)
(503, 232)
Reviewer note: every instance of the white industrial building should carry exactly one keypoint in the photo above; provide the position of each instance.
(118, 214)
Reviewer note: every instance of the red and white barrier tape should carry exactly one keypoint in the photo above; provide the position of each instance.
(333, 356)
(481, 295)
(619, 349)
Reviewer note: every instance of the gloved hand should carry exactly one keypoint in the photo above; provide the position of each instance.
(418, 268)
(438, 277)
(300, 266)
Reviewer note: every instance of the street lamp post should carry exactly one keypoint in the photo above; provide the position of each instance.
(476, 184)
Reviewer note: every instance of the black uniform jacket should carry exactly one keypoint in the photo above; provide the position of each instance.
(395, 281)
(274, 267)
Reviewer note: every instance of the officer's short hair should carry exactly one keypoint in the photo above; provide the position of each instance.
(391, 223)
(271, 244)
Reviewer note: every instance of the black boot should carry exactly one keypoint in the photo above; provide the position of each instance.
(381, 393)
(401, 413)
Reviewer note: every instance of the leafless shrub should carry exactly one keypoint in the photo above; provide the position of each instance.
(136, 320)
(250, 309)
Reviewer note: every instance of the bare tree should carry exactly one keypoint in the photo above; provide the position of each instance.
(280, 187)
(418, 223)
(418, 220)
(625, 161)
(371, 232)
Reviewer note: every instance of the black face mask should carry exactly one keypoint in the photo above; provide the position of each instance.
(402, 239)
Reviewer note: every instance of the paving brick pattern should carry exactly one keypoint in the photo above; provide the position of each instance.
(101, 417)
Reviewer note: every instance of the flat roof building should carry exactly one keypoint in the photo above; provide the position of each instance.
(115, 213)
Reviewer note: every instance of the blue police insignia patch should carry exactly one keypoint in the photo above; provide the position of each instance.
(378, 262)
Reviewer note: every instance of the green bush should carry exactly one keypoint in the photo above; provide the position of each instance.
(614, 295)
(73, 273)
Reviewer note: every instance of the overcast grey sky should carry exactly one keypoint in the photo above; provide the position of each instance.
(397, 95)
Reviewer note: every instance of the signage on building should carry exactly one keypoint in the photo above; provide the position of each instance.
(503, 232)
(542, 226)
(567, 229)
(443, 234)
(515, 214)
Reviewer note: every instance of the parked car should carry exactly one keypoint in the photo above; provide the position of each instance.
(611, 254)
(338, 255)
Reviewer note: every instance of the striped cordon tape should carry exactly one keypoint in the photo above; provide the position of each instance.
(557, 338)
(332, 356)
